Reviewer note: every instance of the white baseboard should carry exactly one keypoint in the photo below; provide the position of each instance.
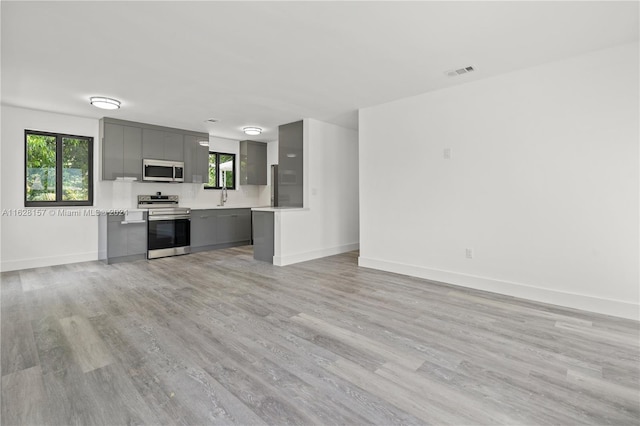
(617, 308)
(315, 254)
(38, 262)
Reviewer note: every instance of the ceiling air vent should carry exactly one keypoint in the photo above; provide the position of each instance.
(460, 71)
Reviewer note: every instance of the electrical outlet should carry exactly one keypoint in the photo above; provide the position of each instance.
(468, 252)
(446, 153)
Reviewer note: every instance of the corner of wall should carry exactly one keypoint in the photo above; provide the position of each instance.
(290, 259)
(617, 308)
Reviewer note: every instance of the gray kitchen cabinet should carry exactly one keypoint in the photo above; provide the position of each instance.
(201, 158)
(233, 225)
(173, 146)
(189, 166)
(116, 237)
(126, 143)
(220, 228)
(196, 159)
(225, 231)
(290, 165)
(125, 241)
(112, 150)
(132, 149)
(153, 144)
(162, 145)
(243, 225)
(121, 151)
(263, 238)
(137, 239)
(253, 163)
(203, 228)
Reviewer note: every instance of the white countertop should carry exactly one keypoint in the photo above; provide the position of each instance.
(190, 206)
(279, 209)
(211, 207)
(120, 209)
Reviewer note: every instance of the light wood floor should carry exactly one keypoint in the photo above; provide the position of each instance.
(218, 338)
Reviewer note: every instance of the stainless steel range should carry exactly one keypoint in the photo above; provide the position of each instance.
(168, 226)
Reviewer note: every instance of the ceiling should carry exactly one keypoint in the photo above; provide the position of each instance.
(269, 63)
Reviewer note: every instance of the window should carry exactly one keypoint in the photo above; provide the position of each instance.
(222, 171)
(58, 169)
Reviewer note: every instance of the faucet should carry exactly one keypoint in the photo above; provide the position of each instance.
(223, 196)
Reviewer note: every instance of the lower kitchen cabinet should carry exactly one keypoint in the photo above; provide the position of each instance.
(233, 225)
(125, 240)
(263, 238)
(203, 228)
(220, 228)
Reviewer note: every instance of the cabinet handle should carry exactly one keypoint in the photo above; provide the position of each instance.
(124, 222)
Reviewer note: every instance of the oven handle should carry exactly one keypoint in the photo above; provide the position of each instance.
(168, 217)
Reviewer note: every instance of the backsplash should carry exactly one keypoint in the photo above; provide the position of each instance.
(123, 195)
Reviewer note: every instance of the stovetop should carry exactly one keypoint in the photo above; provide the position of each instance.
(157, 201)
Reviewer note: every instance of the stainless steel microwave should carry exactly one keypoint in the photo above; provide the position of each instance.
(162, 170)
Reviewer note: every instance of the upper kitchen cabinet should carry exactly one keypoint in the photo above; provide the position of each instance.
(290, 165)
(173, 146)
(196, 158)
(126, 143)
(253, 163)
(153, 144)
(121, 150)
(162, 145)
(132, 149)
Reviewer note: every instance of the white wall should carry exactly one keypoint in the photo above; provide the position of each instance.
(48, 240)
(542, 183)
(329, 223)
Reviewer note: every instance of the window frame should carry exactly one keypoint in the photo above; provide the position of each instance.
(59, 202)
(235, 177)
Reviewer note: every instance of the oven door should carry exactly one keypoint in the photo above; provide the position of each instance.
(168, 236)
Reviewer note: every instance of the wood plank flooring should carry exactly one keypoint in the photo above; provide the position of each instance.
(219, 338)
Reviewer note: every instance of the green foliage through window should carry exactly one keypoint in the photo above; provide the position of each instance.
(58, 169)
(41, 168)
(222, 171)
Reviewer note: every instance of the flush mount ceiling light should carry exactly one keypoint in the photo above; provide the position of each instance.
(104, 103)
(204, 143)
(252, 131)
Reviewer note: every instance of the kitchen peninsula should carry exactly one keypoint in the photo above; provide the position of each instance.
(267, 232)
